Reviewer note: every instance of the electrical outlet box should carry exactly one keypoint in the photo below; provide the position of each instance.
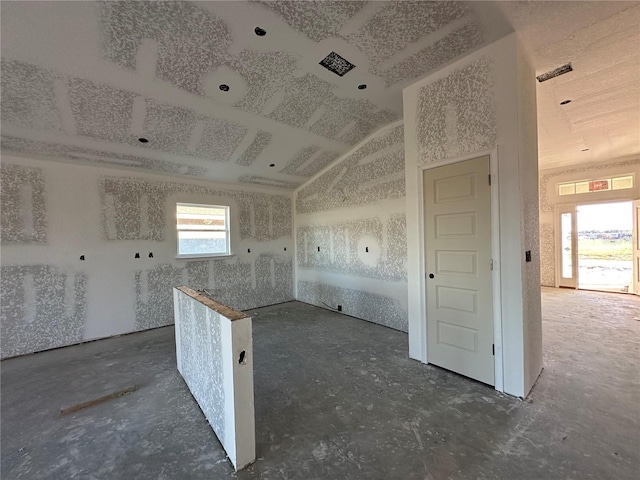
(527, 256)
(339, 308)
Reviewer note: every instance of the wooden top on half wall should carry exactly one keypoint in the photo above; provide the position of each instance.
(206, 300)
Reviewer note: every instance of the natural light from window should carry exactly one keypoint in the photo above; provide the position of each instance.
(601, 185)
(203, 230)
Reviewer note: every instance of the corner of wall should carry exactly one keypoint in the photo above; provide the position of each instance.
(528, 170)
(350, 232)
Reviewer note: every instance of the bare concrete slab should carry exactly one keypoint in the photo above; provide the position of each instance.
(337, 398)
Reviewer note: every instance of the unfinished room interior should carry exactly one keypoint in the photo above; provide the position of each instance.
(320, 240)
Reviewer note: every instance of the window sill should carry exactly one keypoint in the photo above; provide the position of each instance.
(204, 255)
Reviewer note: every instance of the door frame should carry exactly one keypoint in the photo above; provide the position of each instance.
(557, 234)
(495, 253)
(558, 210)
(635, 238)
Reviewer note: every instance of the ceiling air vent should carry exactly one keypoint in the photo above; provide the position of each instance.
(556, 72)
(336, 64)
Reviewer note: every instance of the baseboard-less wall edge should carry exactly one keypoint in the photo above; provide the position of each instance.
(89, 340)
(346, 314)
(214, 352)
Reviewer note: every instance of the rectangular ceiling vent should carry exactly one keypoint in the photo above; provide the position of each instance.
(336, 64)
(556, 72)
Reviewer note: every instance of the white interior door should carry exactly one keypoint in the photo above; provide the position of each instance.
(457, 206)
(636, 247)
(567, 246)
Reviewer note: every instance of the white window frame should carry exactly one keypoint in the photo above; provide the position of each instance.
(227, 231)
(609, 179)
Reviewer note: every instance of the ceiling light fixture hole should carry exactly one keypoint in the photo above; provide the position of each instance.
(261, 32)
(224, 87)
(564, 102)
(362, 86)
(272, 164)
(143, 140)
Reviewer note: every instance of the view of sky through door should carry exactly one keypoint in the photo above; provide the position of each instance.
(605, 255)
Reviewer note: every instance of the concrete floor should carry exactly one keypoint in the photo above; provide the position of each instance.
(337, 398)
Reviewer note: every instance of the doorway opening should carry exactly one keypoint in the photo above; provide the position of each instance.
(605, 246)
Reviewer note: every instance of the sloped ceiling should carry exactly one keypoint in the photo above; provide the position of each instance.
(601, 40)
(83, 81)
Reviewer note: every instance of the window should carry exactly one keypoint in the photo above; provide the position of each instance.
(601, 185)
(203, 230)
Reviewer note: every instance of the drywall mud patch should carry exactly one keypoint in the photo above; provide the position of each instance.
(372, 307)
(399, 24)
(349, 120)
(302, 98)
(259, 143)
(453, 45)
(331, 123)
(396, 259)
(220, 139)
(245, 284)
(267, 182)
(264, 74)
(240, 284)
(154, 295)
(316, 20)
(365, 248)
(191, 42)
(300, 157)
(168, 127)
(20, 145)
(205, 372)
(309, 161)
(101, 111)
(547, 255)
(372, 173)
(359, 130)
(23, 215)
(125, 216)
(104, 112)
(42, 307)
(28, 96)
(456, 115)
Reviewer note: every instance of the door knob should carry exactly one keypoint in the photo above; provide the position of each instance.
(431, 275)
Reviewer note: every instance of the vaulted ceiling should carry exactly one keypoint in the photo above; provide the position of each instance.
(234, 91)
(601, 40)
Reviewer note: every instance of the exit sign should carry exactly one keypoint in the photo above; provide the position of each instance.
(598, 185)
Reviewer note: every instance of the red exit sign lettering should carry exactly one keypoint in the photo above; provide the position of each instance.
(598, 185)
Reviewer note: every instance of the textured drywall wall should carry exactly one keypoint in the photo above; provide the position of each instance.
(23, 214)
(89, 252)
(456, 115)
(370, 173)
(350, 233)
(215, 357)
(43, 307)
(528, 170)
(549, 199)
(200, 357)
(471, 107)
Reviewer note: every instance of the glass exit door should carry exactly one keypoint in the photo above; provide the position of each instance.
(567, 253)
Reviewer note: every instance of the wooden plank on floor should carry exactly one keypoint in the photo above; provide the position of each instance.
(96, 401)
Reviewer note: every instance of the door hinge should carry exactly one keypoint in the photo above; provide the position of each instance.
(493, 349)
(491, 264)
(489, 179)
